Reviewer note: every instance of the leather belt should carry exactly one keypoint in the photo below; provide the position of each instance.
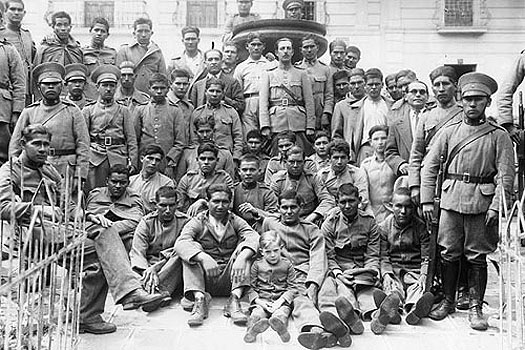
(284, 102)
(53, 152)
(108, 141)
(251, 94)
(467, 178)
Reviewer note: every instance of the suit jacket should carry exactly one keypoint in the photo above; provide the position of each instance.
(400, 137)
(233, 94)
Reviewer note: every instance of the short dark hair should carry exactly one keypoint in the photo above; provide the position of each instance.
(321, 133)
(212, 50)
(215, 81)
(218, 188)
(159, 78)
(165, 192)
(204, 119)
(373, 73)
(190, 29)
(377, 128)
(295, 150)
(268, 238)
(446, 71)
(118, 169)
(406, 73)
(338, 145)
(286, 135)
(255, 35)
(208, 147)
(254, 134)
(59, 14)
(8, 3)
(230, 43)
(342, 74)
(152, 149)
(310, 37)
(291, 195)
(335, 43)
(391, 76)
(248, 157)
(142, 20)
(30, 131)
(355, 50)
(356, 71)
(99, 20)
(179, 73)
(276, 46)
(347, 189)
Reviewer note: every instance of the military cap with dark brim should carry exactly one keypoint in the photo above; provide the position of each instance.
(106, 73)
(76, 71)
(49, 72)
(288, 4)
(477, 84)
(127, 67)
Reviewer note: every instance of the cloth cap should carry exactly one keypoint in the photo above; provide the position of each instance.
(444, 71)
(127, 67)
(49, 72)
(76, 71)
(105, 73)
(287, 4)
(477, 84)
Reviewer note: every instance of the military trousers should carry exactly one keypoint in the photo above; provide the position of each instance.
(304, 312)
(466, 234)
(250, 116)
(170, 275)
(407, 286)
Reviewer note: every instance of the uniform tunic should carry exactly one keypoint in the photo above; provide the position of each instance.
(234, 20)
(189, 161)
(279, 163)
(506, 91)
(12, 82)
(193, 186)
(137, 98)
(260, 196)
(94, 57)
(147, 187)
(233, 95)
(351, 174)
(52, 49)
(186, 108)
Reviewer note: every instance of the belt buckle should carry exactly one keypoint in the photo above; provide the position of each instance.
(285, 102)
(466, 177)
(107, 141)
(51, 152)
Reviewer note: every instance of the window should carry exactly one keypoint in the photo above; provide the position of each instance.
(461, 16)
(101, 8)
(459, 13)
(202, 13)
(309, 11)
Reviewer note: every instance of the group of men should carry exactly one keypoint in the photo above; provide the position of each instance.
(185, 161)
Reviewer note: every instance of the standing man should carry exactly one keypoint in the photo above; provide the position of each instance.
(144, 53)
(479, 167)
(353, 56)
(341, 85)
(178, 96)
(70, 142)
(337, 50)
(76, 84)
(21, 38)
(293, 9)
(111, 132)
(244, 15)
(96, 52)
(286, 100)
(126, 93)
(321, 81)
(192, 59)
(230, 51)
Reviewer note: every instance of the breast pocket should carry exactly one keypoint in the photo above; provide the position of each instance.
(226, 120)
(319, 84)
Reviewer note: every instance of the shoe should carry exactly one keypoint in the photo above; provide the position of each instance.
(386, 312)
(463, 299)
(165, 301)
(334, 325)
(445, 308)
(346, 312)
(258, 327)
(449, 275)
(139, 297)
(186, 304)
(233, 309)
(317, 340)
(199, 312)
(420, 309)
(476, 319)
(379, 296)
(101, 327)
(281, 328)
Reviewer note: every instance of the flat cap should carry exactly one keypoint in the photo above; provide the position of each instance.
(444, 71)
(477, 84)
(288, 4)
(127, 67)
(105, 73)
(49, 72)
(76, 71)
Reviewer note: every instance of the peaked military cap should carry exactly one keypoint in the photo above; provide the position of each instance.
(49, 72)
(106, 73)
(76, 71)
(127, 67)
(477, 84)
(288, 4)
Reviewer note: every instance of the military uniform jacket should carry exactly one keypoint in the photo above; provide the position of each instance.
(186, 108)
(279, 116)
(111, 133)
(490, 155)
(345, 120)
(272, 282)
(153, 240)
(322, 88)
(79, 103)
(429, 120)
(147, 62)
(233, 95)
(198, 235)
(23, 42)
(161, 124)
(193, 186)
(351, 174)
(12, 82)
(136, 99)
(31, 194)
(261, 197)
(94, 57)
(279, 163)
(51, 49)
(351, 245)
(147, 187)
(506, 91)
(70, 133)
(249, 73)
(227, 132)
(189, 161)
(316, 197)
(305, 245)
(404, 248)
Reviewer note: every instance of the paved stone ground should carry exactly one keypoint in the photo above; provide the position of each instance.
(167, 329)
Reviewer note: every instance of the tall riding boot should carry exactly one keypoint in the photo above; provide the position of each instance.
(477, 278)
(449, 274)
(463, 298)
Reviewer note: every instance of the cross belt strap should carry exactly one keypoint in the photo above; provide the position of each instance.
(467, 178)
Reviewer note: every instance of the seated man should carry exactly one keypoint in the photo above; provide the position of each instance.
(191, 191)
(149, 180)
(254, 143)
(352, 247)
(152, 252)
(216, 247)
(253, 201)
(317, 200)
(404, 261)
(321, 157)
(112, 214)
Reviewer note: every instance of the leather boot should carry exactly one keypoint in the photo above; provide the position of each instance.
(233, 309)
(256, 325)
(280, 325)
(449, 274)
(199, 312)
(477, 278)
(463, 298)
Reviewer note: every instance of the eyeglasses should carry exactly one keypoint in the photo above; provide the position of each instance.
(416, 91)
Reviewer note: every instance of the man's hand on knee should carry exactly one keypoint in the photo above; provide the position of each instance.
(150, 280)
(209, 265)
